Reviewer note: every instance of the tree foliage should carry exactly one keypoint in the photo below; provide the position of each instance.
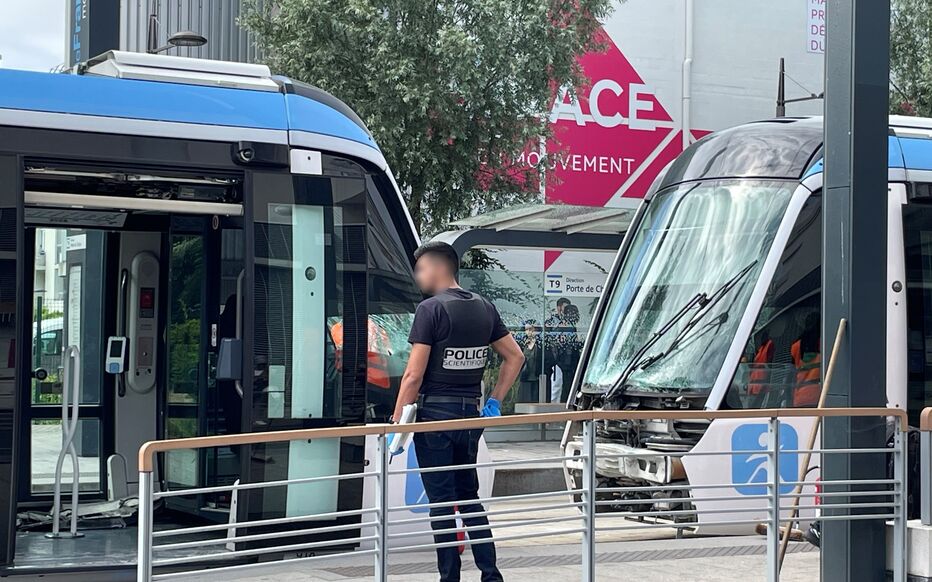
(911, 57)
(452, 90)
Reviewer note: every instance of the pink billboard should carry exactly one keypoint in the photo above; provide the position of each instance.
(611, 142)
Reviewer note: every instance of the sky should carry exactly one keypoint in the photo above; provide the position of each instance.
(32, 34)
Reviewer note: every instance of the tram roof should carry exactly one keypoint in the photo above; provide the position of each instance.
(276, 108)
(789, 148)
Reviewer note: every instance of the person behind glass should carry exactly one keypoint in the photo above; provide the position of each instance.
(556, 318)
(569, 348)
(538, 360)
(450, 339)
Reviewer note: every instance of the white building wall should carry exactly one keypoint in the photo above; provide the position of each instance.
(736, 51)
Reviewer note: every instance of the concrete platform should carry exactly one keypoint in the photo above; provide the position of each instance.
(665, 560)
(919, 547)
(533, 477)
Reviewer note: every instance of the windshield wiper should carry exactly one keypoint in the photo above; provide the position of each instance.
(705, 302)
(699, 299)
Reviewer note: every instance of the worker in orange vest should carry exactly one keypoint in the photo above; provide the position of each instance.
(807, 358)
(379, 349)
(758, 380)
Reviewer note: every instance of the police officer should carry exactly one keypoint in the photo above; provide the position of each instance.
(450, 340)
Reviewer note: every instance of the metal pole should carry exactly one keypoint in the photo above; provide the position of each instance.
(71, 378)
(854, 269)
(381, 497)
(781, 90)
(144, 535)
(56, 486)
(900, 495)
(589, 485)
(925, 476)
(75, 388)
(773, 484)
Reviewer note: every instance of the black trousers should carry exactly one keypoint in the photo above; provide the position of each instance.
(460, 447)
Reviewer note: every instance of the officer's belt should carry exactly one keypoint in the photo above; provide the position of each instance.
(436, 399)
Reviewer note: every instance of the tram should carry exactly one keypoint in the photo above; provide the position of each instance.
(219, 246)
(714, 302)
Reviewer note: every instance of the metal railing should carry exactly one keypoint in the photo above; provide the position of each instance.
(584, 510)
(70, 410)
(925, 466)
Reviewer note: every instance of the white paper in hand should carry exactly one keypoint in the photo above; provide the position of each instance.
(400, 439)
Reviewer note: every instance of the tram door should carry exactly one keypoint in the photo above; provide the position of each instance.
(68, 309)
(164, 291)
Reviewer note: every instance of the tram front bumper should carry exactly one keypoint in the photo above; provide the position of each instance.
(618, 461)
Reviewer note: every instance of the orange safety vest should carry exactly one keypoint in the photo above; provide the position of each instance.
(378, 351)
(758, 376)
(808, 376)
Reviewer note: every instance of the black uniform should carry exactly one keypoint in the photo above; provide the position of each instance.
(458, 326)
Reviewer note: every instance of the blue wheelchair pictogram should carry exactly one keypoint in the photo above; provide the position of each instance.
(749, 470)
(414, 486)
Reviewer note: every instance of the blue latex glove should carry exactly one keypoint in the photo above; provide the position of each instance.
(388, 442)
(492, 408)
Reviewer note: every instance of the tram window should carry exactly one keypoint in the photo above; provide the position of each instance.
(184, 319)
(393, 297)
(309, 274)
(780, 365)
(917, 223)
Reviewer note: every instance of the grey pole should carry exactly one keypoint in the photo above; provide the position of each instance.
(144, 533)
(589, 486)
(857, 64)
(773, 486)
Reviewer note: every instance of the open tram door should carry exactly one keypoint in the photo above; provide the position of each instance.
(124, 273)
(192, 317)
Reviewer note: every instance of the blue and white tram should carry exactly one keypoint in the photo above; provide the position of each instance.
(221, 246)
(736, 222)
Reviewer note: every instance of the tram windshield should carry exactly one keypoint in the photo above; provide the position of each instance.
(683, 286)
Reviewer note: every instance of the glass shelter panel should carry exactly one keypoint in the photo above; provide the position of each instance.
(549, 311)
(519, 298)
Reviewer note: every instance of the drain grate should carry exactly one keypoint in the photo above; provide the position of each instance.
(574, 559)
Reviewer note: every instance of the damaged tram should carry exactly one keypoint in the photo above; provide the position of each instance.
(714, 303)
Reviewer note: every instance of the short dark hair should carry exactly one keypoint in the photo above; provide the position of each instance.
(441, 250)
(563, 301)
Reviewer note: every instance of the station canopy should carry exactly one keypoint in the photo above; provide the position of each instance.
(556, 218)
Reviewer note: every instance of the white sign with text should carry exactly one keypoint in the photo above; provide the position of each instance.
(574, 284)
(816, 27)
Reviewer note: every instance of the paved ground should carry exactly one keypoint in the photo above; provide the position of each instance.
(515, 451)
(645, 555)
(688, 560)
(46, 444)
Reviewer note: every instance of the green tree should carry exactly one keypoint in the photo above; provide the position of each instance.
(911, 57)
(452, 90)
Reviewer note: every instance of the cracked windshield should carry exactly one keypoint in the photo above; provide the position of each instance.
(688, 278)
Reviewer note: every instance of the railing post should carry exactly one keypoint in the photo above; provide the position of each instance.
(144, 535)
(381, 497)
(925, 476)
(589, 485)
(773, 484)
(902, 506)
